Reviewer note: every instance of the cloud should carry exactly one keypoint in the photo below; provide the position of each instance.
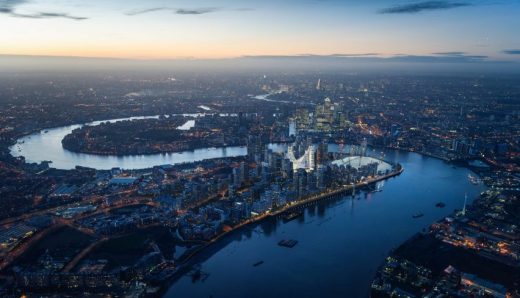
(449, 53)
(355, 55)
(184, 11)
(370, 57)
(457, 58)
(148, 10)
(49, 15)
(463, 55)
(512, 51)
(423, 6)
(315, 56)
(196, 11)
(9, 7)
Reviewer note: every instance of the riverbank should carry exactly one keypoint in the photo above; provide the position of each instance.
(186, 263)
(421, 153)
(167, 149)
(484, 253)
(166, 134)
(28, 144)
(341, 241)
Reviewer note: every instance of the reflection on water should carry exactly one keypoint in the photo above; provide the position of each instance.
(46, 145)
(340, 242)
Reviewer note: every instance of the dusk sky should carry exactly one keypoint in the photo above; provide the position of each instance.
(159, 29)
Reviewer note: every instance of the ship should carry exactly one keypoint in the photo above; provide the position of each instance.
(440, 205)
(288, 243)
(291, 215)
(417, 215)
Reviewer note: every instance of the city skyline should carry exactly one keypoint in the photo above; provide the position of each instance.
(229, 29)
(247, 148)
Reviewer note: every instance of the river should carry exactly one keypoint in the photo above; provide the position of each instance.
(341, 242)
(46, 146)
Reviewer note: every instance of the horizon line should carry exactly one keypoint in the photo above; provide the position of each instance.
(333, 55)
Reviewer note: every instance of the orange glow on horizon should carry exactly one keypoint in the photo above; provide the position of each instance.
(147, 55)
(197, 50)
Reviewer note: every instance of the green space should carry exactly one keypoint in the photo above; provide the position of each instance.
(61, 244)
(128, 249)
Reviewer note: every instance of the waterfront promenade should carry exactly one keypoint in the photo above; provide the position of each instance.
(326, 194)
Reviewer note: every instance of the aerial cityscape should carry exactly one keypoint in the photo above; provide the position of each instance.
(259, 148)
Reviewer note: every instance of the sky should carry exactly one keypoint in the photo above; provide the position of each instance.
(209, 29)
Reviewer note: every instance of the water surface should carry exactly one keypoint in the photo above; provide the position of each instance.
(46, 146)
(341, 242)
